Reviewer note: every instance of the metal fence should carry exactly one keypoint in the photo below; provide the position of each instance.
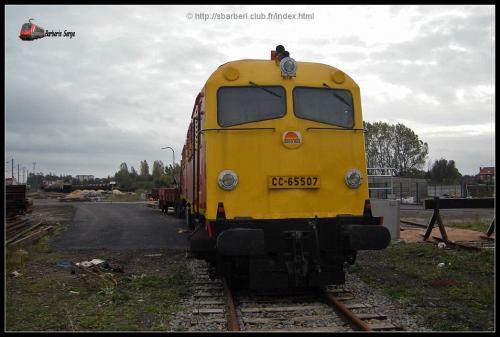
(383, 184)
(446, 191)
(479, 191)
(461, 191)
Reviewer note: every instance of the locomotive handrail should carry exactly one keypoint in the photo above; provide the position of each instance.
(238, 129)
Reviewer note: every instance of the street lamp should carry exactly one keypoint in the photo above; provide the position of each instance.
(173, 159)
(173, 154)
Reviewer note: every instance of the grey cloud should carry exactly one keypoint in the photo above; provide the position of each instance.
(144, 65)
(350, 40)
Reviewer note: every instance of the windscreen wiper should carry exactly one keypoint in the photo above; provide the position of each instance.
(337, 95)
(266, 90)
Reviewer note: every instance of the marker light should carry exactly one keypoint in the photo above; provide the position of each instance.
(353, 178)
(288, 67)
(231, 74)
(228, 180)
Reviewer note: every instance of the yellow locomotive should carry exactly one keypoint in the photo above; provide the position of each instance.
(274, 174)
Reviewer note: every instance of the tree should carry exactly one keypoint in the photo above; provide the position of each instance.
(133, 172)
(158, 171)
(158, 168)
(395, 146)
(122, 177)
(172, 174)
(144, 169)
(123, 167)
(444, 172)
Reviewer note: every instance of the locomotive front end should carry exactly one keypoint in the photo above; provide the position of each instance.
(282, 190)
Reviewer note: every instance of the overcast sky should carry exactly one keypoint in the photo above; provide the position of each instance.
(125, 84)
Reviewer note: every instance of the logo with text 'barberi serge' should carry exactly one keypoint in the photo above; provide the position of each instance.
(31, 31)
(292, 139)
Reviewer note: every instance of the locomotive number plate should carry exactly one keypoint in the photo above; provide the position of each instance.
(293, 182)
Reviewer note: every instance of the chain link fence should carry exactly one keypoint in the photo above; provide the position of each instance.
(383, 184)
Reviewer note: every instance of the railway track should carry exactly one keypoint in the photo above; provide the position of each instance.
(215, 307)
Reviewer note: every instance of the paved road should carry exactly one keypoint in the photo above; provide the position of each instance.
(121, 226)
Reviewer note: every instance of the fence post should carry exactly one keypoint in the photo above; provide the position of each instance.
(416, 188)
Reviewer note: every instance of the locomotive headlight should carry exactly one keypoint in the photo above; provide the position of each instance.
(288, 66)
(228, 180)
(353, 178)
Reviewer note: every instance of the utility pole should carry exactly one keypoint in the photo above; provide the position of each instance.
(7, 167)
(12, 170)
(34, 177)
(18, 173)
(24, 181)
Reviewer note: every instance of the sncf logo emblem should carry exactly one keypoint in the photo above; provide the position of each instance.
(292, 139)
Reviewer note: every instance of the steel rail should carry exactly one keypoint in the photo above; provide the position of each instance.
(232, 320)
(413, 223)
(346, 312)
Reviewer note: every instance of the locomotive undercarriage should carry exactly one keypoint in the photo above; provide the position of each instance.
(286, 253)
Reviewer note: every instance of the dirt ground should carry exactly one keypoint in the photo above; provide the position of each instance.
(414, 234)
(479, 219)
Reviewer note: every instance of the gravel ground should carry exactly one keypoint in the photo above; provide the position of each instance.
(184, 319)
(397, 312)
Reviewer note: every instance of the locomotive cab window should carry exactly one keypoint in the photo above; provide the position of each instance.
(324, 105)
(239, 105)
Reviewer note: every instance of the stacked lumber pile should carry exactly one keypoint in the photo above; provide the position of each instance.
(16, 224)
(22, 231)
(16, 202)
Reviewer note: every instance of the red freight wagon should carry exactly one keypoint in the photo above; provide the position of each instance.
(167, 197)
(155, 193)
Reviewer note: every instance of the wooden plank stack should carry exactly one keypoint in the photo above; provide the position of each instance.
(16, 200)
(16, 225)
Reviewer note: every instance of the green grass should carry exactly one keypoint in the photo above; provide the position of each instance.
(134, 304)
(456, 297)
(472, 225)
(49, 298)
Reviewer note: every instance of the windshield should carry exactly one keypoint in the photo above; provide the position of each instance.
(26, 26)
(324, 105)
(239, 105)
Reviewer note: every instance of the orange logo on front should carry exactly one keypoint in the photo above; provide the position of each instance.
(292, 139)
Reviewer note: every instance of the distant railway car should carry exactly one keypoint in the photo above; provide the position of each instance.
(30, 31)
(155, 194)
(274, 177)
(167, 197)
